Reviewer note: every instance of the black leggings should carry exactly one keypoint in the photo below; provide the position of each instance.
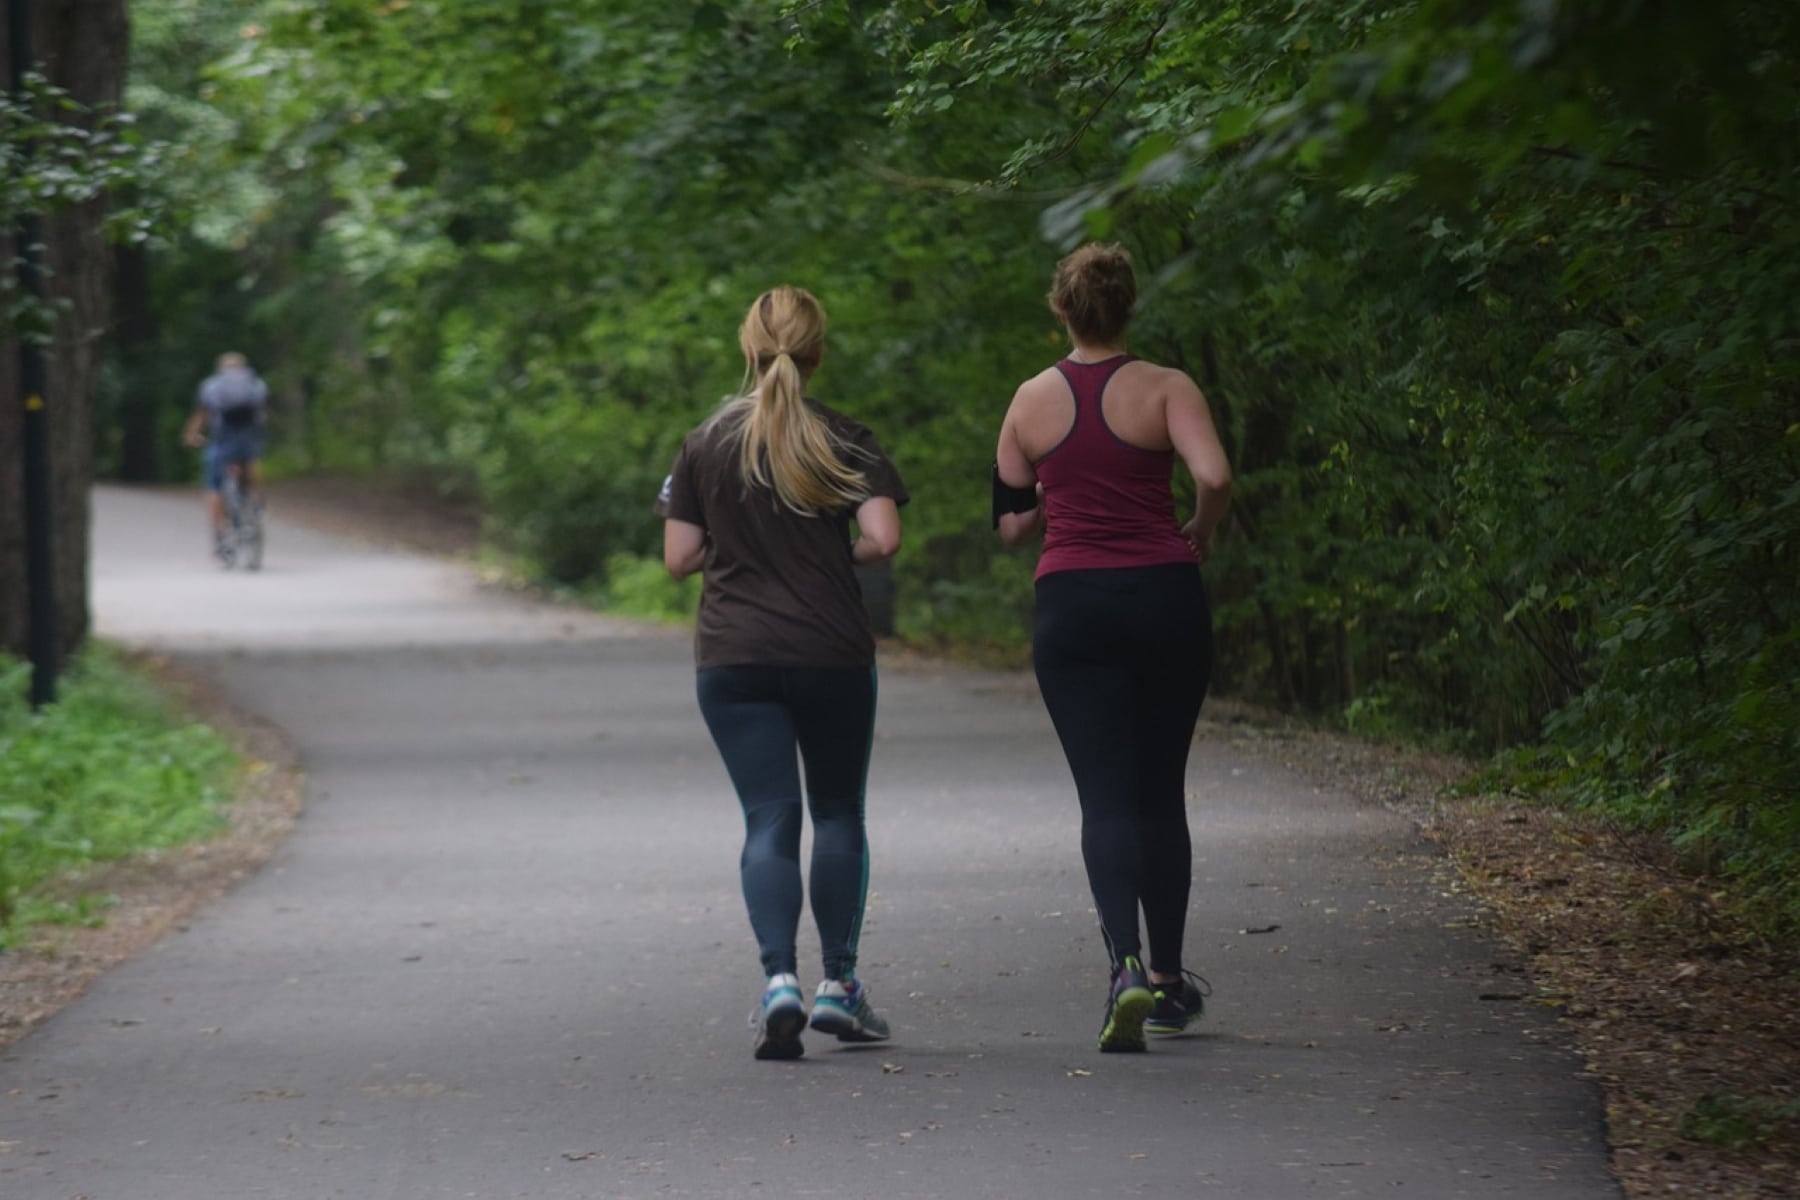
(759, 717)
(1123, 657)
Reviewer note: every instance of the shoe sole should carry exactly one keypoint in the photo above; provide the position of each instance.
(780, 1035)
(843, 1026)
(1124, 1032)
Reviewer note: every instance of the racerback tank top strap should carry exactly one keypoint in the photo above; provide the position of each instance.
(1088, 382)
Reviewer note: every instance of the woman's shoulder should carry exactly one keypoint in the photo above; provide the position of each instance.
(1047, 382)
(842, 424)
(721, 426)
(1150, 376)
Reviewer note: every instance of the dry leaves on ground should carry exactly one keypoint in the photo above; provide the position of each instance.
(1687, 1019)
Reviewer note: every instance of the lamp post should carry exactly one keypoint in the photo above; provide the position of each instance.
(35, 426)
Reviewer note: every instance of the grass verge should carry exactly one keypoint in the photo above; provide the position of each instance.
(108, 771)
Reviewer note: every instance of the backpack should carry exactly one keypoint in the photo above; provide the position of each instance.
(239, 397)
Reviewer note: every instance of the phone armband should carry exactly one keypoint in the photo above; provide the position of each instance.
(1010, 499)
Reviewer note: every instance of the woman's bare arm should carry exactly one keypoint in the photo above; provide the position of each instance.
(1194, 437)
(1017, 471)
(684, 547)
(877, 531)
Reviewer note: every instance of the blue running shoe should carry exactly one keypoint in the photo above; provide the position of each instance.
(1127, 1005)
(1178, 1003)
(843, 1010)
(777, 1022)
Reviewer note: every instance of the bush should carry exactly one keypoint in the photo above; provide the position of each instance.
(641, 587)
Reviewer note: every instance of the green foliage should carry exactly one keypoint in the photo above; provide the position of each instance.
(106, 772)
(641, 587)
(1494, 311)
(1738, 1122)
(1492, 305)
(56, 154)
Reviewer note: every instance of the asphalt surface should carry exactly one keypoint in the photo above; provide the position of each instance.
(504, 954)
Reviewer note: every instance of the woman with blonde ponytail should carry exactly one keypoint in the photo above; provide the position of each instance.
(761, 501)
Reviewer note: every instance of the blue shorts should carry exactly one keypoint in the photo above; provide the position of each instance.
(229, 446)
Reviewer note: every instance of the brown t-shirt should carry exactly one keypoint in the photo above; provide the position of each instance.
(780, 589)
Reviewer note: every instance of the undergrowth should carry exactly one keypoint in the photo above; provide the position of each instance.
(107, 771)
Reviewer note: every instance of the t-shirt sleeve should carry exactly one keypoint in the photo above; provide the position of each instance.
(878, 469)
(680, 496)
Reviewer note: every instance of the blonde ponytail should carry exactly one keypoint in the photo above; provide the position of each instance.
(784, 446)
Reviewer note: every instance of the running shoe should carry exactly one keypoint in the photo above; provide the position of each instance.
(1127, 1004)
(1178, 1003)
(777, 1021)
(843, 1010)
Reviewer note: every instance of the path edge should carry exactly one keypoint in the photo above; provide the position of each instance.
(155, 892)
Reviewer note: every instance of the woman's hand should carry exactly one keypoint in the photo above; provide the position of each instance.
(1017, 527)
(1199, 541)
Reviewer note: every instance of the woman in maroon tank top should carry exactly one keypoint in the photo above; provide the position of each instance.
(1122, 641)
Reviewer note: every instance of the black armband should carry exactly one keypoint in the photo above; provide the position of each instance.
(1010, 499)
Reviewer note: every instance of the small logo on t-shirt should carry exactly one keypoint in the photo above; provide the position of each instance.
(668, 487)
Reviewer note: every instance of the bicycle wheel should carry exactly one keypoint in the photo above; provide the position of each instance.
(250, 532)
(231, 497)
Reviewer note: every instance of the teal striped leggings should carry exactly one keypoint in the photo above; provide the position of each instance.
(767, 722)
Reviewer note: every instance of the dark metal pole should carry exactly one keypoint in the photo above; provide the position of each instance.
(35, 429)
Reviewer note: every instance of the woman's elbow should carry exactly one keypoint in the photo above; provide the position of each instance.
(1216, 483)
(883, 543)
(1017, 528)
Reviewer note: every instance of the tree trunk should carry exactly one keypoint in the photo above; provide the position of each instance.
(81, 47)
(134, 332)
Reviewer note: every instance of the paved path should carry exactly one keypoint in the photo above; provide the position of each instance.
(504, 954)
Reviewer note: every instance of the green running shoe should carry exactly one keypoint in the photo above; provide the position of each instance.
(1127, 1004)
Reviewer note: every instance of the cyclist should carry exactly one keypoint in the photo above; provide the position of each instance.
(230, 420)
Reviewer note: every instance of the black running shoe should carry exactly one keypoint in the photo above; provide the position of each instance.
(1127, 1004)
(1178, 1003)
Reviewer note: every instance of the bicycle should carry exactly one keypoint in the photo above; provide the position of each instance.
(241, 541)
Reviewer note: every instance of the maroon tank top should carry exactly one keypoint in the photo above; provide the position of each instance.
(1106, 502)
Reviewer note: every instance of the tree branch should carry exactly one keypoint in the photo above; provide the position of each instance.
(1142, 53)
(963, 187)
